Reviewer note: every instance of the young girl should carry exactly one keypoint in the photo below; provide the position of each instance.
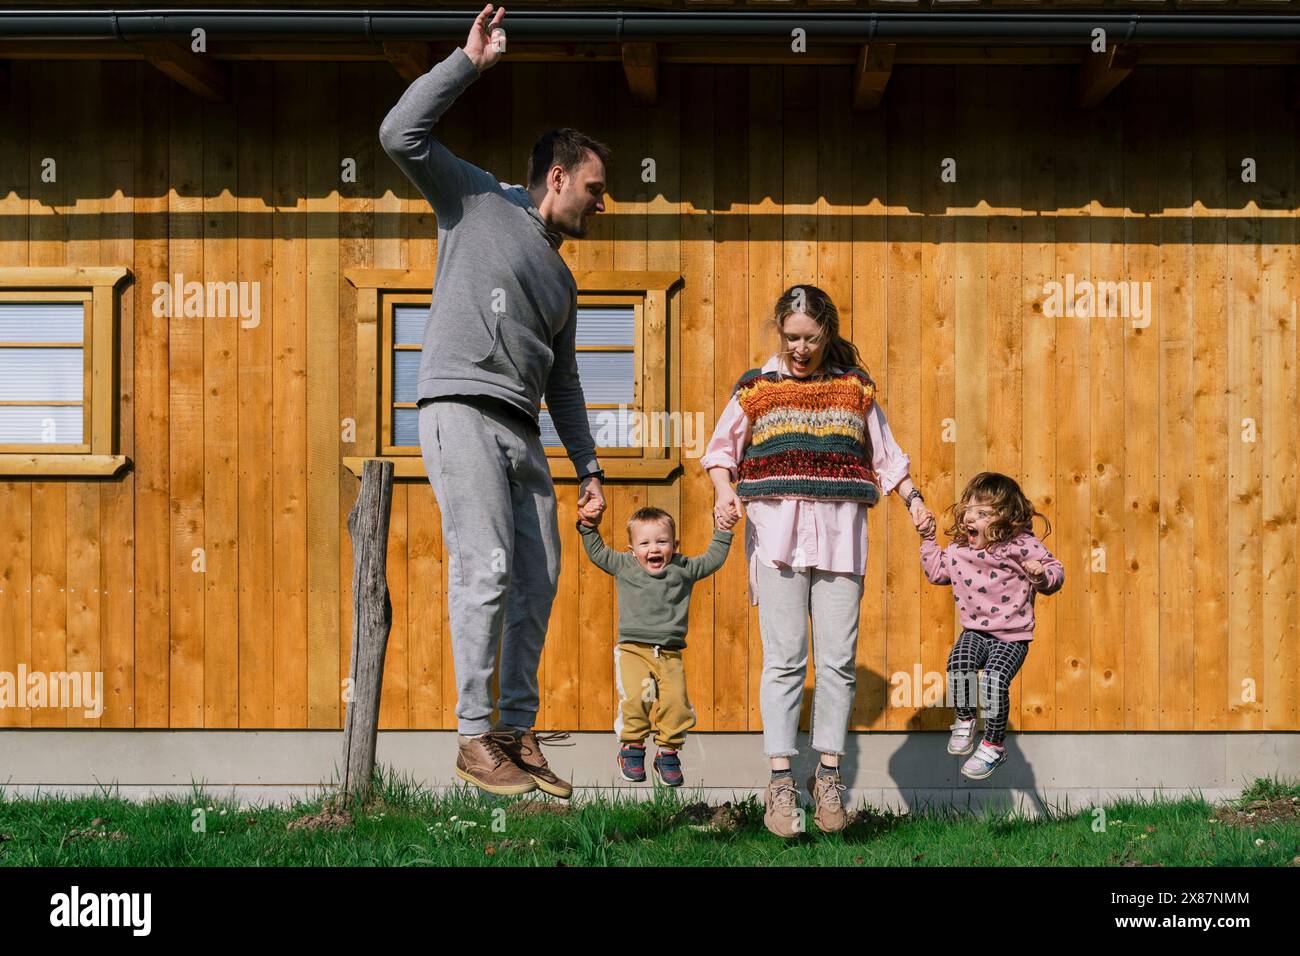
(996, 567)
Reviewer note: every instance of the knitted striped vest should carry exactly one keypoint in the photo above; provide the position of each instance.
(808, 437)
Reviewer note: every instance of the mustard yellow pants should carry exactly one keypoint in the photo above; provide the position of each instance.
(651, 685)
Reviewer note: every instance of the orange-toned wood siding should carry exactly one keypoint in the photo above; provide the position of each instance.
(1178, 534)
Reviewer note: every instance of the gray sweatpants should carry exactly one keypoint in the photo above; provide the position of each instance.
(786, 598)
(497, 500)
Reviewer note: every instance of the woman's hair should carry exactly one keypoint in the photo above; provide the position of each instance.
(817, 305)
(1013, 513)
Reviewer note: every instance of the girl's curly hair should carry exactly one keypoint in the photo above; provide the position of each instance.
(1013, 513)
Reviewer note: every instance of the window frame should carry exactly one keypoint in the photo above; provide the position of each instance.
(650, 294)
(97, 289)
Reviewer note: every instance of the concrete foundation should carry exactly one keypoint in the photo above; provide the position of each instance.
(904, 771)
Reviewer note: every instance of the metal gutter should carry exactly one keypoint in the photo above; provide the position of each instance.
(617, 25)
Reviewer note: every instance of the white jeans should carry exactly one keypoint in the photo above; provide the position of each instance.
(786, 598)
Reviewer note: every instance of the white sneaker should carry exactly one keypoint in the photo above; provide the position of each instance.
(984, 761)
(962, 740)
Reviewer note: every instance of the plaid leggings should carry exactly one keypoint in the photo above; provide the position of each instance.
(999, 661)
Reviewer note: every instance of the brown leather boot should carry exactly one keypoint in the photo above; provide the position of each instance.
(525, 750)
(483, 762)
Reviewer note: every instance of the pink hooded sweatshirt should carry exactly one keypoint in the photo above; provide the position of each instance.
(992, 590)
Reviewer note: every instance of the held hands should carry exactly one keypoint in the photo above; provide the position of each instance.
(486, 41)
(923, 519)
(591, 502)
(726, 510)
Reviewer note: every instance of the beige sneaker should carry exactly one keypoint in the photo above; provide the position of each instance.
(484, 762)
(525, 751)
(783, 816)
(830, 815)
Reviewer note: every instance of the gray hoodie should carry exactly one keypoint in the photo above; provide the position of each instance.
(503, 316)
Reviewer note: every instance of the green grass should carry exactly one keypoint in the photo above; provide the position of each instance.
(407, 826)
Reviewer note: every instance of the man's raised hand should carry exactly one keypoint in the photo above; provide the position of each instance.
(481, 47)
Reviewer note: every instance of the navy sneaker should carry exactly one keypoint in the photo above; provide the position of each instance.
(668, 768)
(631, 762)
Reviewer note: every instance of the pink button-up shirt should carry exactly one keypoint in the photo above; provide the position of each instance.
(802, 532)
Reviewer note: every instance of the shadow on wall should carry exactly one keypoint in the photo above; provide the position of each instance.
(921, 769)
(925, 773)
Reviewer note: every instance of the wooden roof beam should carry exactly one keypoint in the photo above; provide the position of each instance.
(641, 67)
(1101, 73)
(875, 63)
(201, 75)
(410, 58)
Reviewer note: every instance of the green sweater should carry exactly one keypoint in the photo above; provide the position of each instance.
(652, 608)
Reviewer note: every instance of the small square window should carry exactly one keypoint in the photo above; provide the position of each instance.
(58, 339)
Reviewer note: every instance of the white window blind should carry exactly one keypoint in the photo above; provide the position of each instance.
(42, 373)
(606, 366)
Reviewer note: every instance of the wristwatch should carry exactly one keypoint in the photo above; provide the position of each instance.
(598, 473)
(914, 493)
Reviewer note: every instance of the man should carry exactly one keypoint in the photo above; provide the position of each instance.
(499, 336)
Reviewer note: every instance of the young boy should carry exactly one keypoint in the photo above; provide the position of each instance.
(654, 595)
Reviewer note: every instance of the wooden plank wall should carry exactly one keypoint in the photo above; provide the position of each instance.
(1178, 532)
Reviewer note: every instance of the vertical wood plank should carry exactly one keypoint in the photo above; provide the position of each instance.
(1073, 394)
(1103, 575)
(1211, 428)
(84, 602)
(1245, 418)
(17, 170)
(185, 410)
(117, 498)
(1279, 653)
(258, 622)
(221, 415)
(1176, 439)
(323, 451)
(152, 408)
(289, 379)
(1141, 425)
(48, 209)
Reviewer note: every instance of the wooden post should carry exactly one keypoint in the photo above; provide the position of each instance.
(372, 617)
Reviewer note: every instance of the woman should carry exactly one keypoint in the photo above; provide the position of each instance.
(812, 451)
